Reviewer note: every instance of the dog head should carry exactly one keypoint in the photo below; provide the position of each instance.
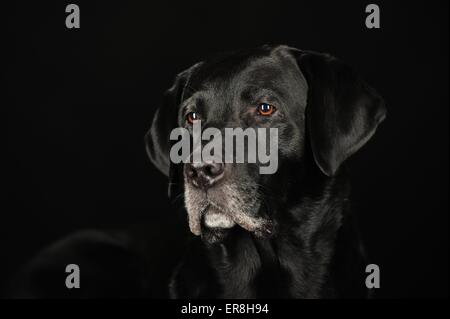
(319, 106)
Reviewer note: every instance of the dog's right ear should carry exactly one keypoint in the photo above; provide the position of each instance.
(157, 139)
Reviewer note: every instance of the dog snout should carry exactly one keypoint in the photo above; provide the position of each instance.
(204, 175)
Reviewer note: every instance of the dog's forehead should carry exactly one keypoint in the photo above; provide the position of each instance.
(236, 74)
(259, 70)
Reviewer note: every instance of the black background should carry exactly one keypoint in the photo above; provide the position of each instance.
(78, 103)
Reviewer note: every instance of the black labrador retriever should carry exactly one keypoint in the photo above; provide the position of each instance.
(290, 234)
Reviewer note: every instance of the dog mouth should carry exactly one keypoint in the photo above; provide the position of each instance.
(213, 216)
(209, 216)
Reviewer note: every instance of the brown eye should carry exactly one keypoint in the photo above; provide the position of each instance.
(191, 117)
(266, 109)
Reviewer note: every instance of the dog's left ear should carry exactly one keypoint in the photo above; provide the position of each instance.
(157, 139)
(342, 111)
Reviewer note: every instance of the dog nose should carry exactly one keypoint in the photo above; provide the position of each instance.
(204, 175)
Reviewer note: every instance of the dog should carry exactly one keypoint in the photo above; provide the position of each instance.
(291, 234)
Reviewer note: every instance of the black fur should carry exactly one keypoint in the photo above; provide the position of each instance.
(315, 250)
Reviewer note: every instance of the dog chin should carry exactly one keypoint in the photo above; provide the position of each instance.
(215, 226)
(215, 219)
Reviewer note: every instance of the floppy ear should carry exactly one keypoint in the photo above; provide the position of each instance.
(342, 111)
(157, 139)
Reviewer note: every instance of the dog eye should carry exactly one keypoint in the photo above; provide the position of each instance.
(266, 109)
(191, 117)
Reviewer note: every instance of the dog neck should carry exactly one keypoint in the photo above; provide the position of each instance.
(293, 263)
